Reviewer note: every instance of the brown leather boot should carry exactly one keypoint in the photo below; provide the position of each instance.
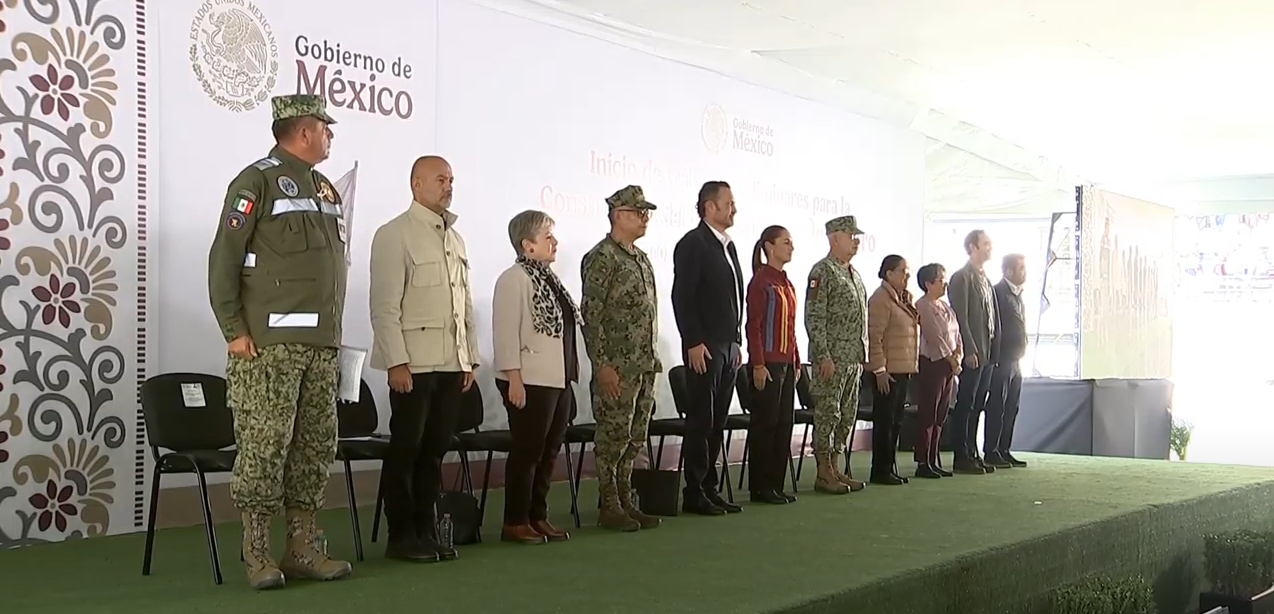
(305, 558)
(262, 572)
(521, 534)
(646, 521)
(854, 485)
(826, 481)
(611, 515)
(546, 528)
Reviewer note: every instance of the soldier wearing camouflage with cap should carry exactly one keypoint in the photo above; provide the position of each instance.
(276, 280)
(836, 324)
(620, 312)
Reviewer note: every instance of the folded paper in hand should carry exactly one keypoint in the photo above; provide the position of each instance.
(351, 364)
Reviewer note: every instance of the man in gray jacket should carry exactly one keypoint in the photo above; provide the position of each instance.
(973, 300)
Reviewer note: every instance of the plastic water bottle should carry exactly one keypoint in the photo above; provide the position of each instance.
(446, 532)
(320, 542)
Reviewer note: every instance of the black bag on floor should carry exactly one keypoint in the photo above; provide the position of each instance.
(463, 508)
(658, 491)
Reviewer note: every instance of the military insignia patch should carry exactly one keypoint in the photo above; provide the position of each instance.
(243, 205)
(813, 288)
(326, 192)
(235, 220)
(288, 185)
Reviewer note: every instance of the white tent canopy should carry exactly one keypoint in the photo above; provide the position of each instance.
(1154, 98)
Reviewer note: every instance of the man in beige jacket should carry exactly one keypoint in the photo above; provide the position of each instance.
(422, 322)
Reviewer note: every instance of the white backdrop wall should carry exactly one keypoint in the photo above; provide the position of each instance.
(529, 115)
(564, 126)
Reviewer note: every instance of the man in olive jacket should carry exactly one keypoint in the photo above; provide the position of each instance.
(276, 280)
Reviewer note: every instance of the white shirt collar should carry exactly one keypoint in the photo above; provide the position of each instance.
(1014, 287)
(721, 236)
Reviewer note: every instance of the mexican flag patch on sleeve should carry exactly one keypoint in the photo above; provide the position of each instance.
(243, 205)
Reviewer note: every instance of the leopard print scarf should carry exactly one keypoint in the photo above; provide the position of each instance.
(546, 311)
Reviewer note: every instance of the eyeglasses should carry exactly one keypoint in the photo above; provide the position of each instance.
(641, 213)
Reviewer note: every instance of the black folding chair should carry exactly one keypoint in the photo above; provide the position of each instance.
(359, 441)
(581, 434)
(864, 414)
(746, 391)
(804, 415)
(187, 415)
(663, 428)
(473, 439)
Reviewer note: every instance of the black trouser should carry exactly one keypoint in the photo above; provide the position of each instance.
(421, 425)
(1001, 410)
(538, 429)
(770, 432)
(709, 394)
(971, 397)
(887, 410)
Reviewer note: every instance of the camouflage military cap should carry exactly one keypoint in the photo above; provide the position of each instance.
(630, 197)
(300, 105)
(847, 224)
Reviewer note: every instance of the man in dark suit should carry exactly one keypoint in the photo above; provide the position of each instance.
(707, 300)
(1006, 380)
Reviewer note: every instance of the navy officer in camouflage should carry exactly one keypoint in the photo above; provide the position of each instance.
(836, 324)
(276, 280)
(620, 310)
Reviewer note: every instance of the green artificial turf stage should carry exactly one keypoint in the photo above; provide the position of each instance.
(967, 544)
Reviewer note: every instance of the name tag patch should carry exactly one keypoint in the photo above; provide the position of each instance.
(340, 230)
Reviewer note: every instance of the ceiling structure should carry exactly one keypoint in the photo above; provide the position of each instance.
(1121, 92)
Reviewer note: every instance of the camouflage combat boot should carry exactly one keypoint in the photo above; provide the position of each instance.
(262, 572)
(305, 558)
(611, 515)
(844, 479)
(826, 480)
(645, 521)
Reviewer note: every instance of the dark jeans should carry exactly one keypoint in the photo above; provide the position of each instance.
(770, 432)
(971, 397)
(1001, 411)
(933, 396)
(886, 423)
(421, 425)
(709, 394)
(538, 429)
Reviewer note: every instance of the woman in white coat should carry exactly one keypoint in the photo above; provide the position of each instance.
(534, 329)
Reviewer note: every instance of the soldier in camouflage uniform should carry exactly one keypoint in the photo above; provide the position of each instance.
(276, 280)
(620, 312)
(836, 324)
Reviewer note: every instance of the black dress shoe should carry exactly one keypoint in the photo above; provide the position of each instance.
(886, 480)
(730, 508)
(982, 463)
(702, 507)
(925, 470)
(996, 461)
(942, 472)
(901, 477)
(1008, 456)
(771, 497)
(790, 498)
(412, 550)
